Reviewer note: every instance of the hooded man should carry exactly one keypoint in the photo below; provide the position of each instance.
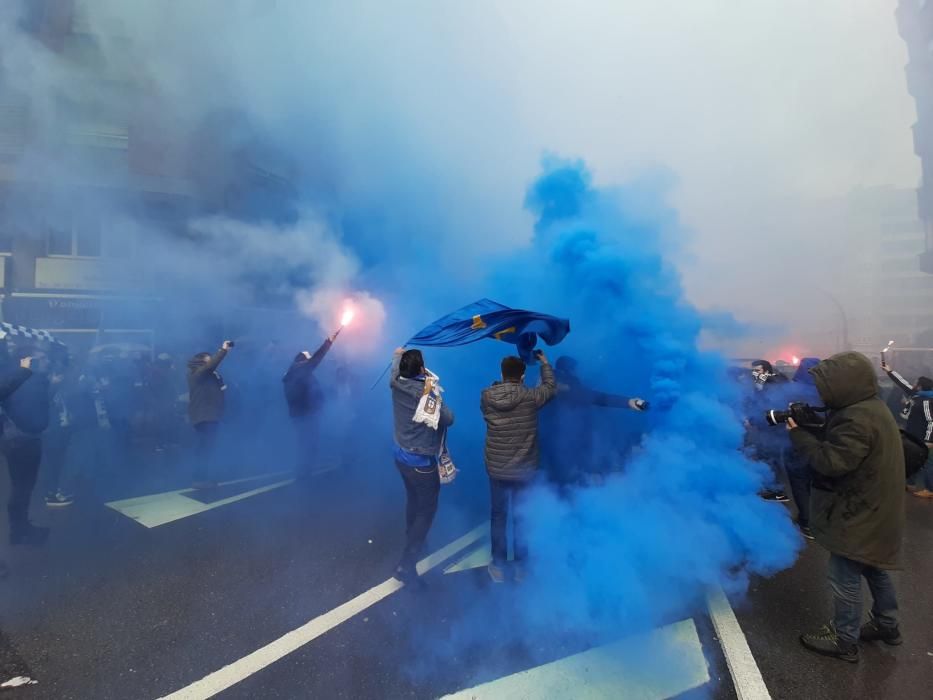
(304, 397)
(510, 410)
(205, 409)
(857, 503)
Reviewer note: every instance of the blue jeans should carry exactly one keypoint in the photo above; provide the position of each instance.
(505, 497)
(924, 477)
(798, 474)
(845, 579)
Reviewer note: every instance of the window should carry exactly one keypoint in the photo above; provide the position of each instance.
(80, 237)
(60, 241)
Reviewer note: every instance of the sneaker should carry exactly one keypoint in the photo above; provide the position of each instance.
(872, 631)
(777, 496)
(496, 573)
(16, 681)
(57, 499)
(29, 535)
(826, 642)
(922, 493)
(807, 532)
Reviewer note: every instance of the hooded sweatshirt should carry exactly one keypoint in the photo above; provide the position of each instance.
(511, 410)
(858, 504)
(28, 408)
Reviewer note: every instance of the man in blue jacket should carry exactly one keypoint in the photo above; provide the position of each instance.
(417, 448)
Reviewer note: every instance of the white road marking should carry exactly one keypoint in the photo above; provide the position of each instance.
(746, 676)
(252, 663)
(161, 508)
(661, 664)
(479, 557)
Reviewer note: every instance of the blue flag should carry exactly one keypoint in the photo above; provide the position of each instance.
(488, 319)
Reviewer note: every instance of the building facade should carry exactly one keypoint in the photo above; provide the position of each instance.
(915, 23)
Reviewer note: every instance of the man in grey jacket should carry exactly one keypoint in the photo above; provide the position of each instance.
(510, 410)
(417, 447)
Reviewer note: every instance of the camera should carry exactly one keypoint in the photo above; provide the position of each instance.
(803, 414)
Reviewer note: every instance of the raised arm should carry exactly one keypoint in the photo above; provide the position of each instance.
(547, 387)
(214, 362)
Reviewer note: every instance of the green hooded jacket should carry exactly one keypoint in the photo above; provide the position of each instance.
(857, 501)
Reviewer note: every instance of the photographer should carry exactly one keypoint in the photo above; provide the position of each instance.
(205, 409)
(918, 419)
(802, 388)
(768, 388)
(857, 502)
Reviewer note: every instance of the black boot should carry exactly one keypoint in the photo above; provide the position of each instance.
(872, 631)
(825, 641)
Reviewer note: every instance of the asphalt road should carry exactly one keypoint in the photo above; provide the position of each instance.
(112, 609)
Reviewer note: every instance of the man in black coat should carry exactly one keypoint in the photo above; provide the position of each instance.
(25, 395)
(304, 397)
(205, 409)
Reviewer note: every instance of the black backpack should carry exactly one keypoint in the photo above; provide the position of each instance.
(916, 453)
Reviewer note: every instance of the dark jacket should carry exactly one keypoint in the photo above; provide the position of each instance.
(12, 380)
(29, 406)
(511, 414)
(416, 438)
(858, 507)
(918, 411)
(302, 391)
(205, 390)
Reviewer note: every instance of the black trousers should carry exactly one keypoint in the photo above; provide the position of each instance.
(505, 496)
(54, 456)
(204, 450)
(422, 486)
(23, 456)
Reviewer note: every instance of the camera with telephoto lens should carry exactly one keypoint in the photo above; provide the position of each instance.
(803, 414)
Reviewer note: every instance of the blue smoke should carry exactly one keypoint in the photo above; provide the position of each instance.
(680, 511)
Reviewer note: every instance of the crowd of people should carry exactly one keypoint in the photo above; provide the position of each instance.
(845, 470)
(64, 421)
(516, 450)
(842, 455)
(848, 471)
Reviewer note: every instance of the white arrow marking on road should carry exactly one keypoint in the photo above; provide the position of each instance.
(161, 508)
(479, 557)
(662, 664)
